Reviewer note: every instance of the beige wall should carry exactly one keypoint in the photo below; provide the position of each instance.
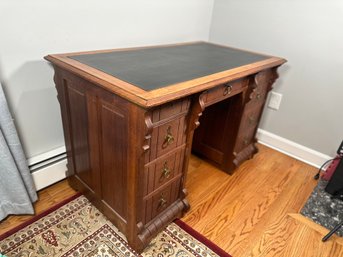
(309, 34)
(29, 30)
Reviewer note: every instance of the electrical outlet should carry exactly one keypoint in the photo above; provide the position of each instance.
(275, 100)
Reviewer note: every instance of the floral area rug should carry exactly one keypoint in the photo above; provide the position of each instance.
(77, 228)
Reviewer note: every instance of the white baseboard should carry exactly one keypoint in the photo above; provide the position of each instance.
(49, 175)
(46, 155)
(291, 148)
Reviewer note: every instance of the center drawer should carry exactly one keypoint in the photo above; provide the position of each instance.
(224, 91)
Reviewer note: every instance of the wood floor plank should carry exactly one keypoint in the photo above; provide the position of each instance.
(273, 241)
(315, 227)
(313, 246)
(232, 202)
(226, 194)
(274, 218)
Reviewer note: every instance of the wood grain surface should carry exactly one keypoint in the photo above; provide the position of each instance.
(254, 212)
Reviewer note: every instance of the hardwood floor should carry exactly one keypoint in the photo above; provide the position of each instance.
(254, 212)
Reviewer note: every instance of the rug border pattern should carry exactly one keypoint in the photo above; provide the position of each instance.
(38, 216)
(181, 224)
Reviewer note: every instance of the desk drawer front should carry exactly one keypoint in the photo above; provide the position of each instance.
(170, 110)
(166, 137)
(160, 200)
(166, 126)
(224, 91)
(162, 171)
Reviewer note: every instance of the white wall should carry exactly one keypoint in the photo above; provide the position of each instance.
(309, 33)
(29, 30)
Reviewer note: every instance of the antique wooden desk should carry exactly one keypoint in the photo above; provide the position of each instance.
(129, 116)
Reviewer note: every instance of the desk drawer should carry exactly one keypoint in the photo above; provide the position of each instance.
(170, 110)
(166, 137)
(224, 91)
(162, 171)
(161, 200)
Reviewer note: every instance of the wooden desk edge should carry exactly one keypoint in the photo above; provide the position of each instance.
(104, 80)
(172, 92)
(148, 99)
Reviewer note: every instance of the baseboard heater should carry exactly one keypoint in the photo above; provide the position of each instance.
(48, 168)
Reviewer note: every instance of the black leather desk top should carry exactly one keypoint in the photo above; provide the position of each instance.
(153, 68)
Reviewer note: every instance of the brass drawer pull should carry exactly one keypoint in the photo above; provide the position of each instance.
(169, 139)
(227, 90)
(258, 96)
(165, 172)
(162, 202)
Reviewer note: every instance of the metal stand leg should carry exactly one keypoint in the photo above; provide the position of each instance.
(325, 238)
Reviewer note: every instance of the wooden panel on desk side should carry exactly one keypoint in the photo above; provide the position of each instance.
(113, 156)
(96, 132)
(77, 104)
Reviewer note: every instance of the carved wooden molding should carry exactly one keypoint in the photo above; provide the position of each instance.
(150, 230)
(148, 132)
(246, 154)
(197, 108)
(274, 76)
